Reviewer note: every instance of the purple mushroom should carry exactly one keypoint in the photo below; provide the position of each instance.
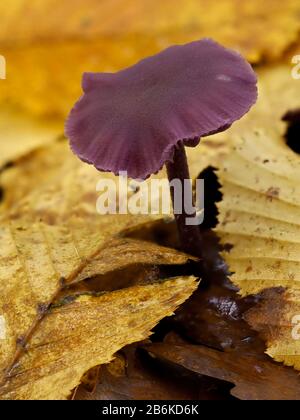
(141, 118)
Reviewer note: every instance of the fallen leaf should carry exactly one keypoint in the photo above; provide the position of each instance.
(121, 18)
(123, 252)
(130, 377)
(55, 162)
(110, 35)
(277, 319)
(260, 213)
(214, 315)
(42, 259)
(20, 134)
(216, 340)
(278, 92)
(52, 238)
(260, 220)
(254, 380)
(47, 161)
(81, 337)
(291, 135)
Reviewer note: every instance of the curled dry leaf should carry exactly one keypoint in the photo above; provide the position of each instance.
(73, 337)
(260, 219)
(123, 252)
(110, 35)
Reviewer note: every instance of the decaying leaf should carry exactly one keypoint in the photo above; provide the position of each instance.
(260, 219)
(277, 318)
(77, 335)
(253, 379)
(278, 93)
(54, 162)
(109, 35)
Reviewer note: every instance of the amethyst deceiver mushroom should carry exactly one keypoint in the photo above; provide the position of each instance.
(141, 118)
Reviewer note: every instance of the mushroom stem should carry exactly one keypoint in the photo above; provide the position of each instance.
(189, 235)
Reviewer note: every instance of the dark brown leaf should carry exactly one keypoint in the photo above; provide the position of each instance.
(254, 379)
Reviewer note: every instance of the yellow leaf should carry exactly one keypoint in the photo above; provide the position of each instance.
(277, 318)
(182, 18)
(53, 237)
(73, 337)
(260, 213)
(55, 164)
(53, 43)
(20, 134)
(260, 218)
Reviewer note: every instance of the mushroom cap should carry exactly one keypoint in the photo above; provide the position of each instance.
(132, 120)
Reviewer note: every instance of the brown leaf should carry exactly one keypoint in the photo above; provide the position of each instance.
(53, 238)
(129, 377)
(56, 165)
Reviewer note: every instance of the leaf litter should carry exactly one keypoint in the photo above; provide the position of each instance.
(60, 48)
(50, 218)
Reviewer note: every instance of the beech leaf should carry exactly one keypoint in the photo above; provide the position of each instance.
(260, 218)
(53, 238)
(73, 337)
(54, 53)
